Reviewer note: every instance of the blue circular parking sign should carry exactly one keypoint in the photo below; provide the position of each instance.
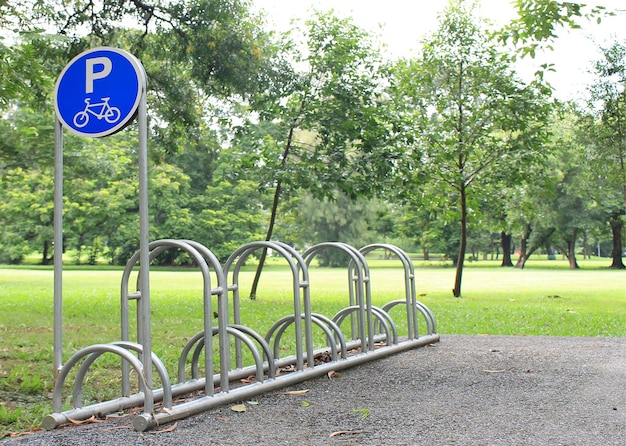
(98, 92)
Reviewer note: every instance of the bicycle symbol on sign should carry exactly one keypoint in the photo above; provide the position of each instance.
(104, 110)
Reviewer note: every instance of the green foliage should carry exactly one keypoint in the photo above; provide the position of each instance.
(473, 123)
(21, 73)
(340, 220)
(192, 51)
(8, 417)
(538, 21)
(327, 133)
(602, 132)
(26, 212)
(227, 216)
(236, 112)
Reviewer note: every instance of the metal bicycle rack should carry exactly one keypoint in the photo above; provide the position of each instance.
(370, 333)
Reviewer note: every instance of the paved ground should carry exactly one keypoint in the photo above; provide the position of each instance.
(465, 390)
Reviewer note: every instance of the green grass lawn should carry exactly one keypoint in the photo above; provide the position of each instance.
(546, 298)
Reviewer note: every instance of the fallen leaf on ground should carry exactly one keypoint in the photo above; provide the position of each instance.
(21, 434)
(239, 408)
(335, 434)
(92, 419)
(169, 429)
(296, 392)
(332, 374)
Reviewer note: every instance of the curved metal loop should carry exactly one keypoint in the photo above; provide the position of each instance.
(156, 247)
(379, 315)
(409, 283)
(339, 338)
(245, 337)
(100, 349)
(359, 289)
(297, 266)
(182, 360)
(138, 348)
(429, 318)
(267, 351)
(327, 326)
(431, 324)
(388, 323)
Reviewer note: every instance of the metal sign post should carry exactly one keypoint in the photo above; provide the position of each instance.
(58, 248)
(97, 94)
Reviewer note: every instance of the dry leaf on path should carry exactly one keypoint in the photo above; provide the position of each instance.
(169, 429)
(336, 434)
(296, 392)
(332, 374)
(92, 419)
(239, 408)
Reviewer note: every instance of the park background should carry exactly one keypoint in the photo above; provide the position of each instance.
(317, 136)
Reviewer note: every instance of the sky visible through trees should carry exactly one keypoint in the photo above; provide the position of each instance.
(402, 25)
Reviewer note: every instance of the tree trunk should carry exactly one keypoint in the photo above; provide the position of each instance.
(523, 248)
(268, 237)
(526, 253)
(456, 291)
(459, 264)
(426, 253)
(616, 229)
(270, 228)
(571, 250)
(46, 249)
(505, 241)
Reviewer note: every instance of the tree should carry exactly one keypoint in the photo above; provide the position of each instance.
(21, 73)
(530, 211)
(327, 135)
(605, 137)
(475, 120)
(198, 56)
(171, 216)
(26, 213)
(227, 216)
(559, 208)
(339, 220)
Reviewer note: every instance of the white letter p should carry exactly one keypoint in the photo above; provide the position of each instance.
(92, 75)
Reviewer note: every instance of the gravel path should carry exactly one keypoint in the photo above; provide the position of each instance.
(464, 390)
